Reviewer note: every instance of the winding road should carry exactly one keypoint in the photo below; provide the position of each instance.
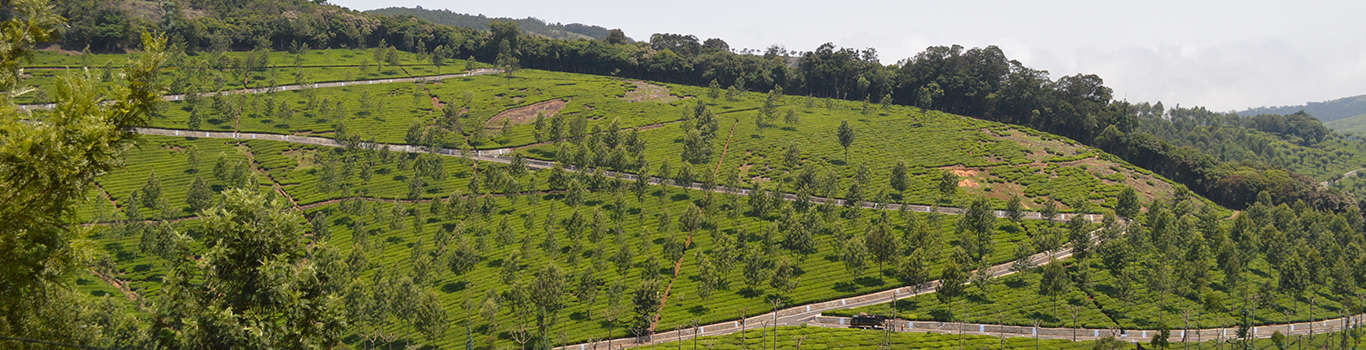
(808, 314)
(504, 155)
(279, 88)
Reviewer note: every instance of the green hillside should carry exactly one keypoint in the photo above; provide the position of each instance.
(1350, 125)
(392, 188)
(480, 22)
(1327, 111)
(410, 216)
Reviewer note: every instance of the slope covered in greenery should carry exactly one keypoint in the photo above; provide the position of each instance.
(530, 24)
(244, 243)
(1350, 125)
(979, 82)
(1326, 111)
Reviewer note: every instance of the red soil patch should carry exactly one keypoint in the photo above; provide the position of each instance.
(527, 114)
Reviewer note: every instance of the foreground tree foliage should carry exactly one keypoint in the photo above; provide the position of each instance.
(259, 287)
(48, 161)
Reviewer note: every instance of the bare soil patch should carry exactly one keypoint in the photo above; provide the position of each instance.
(968, 175)
(527, 114)
(1148, 186)
(1039, 148)
(303, 158)
(649, 92)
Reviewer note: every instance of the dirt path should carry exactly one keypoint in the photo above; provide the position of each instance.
(280, 189)
(121, 286)
(726, 147)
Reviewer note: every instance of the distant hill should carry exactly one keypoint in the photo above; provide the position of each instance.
(480, 22)
(1354, 124)
(1325, 111)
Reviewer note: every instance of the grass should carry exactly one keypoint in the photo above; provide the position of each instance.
(815, 338)
(1100, 306)
(201, 71)
(844, 338)
(396, 222)
(996, 160)
(390, 236)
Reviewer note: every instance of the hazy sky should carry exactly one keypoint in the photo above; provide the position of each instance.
(1223, 55)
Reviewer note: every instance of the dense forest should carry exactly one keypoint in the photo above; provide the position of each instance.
(980, 82)
(530, 25)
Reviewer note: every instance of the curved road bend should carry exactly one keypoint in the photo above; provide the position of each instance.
(802, 314)
(809, 313)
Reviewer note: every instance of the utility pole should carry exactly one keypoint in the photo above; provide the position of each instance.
(1187, 316)
(1036, 334)
(744, 339)
(1001, 321)
(694, 334)
(1074, 321)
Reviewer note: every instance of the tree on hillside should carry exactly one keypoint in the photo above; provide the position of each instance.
(506, 59)
(948, 186)
(952, 280)
(899, 179)
(882, 243)
(616, 37)
(47, 167)
(151, 191)
(199, 196)
(1015, 209)
(1054, 282)
(646, 300)
(913, 270)
(926, 96)
(546, 294)
(1079, 237)
(846, 138)
(254, 259)
(1127, 205)
(1050, 211)
(978, 221)
(855, 256)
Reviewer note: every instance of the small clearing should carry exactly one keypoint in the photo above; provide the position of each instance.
(965, 174)
(649, 92)
(302, 157)
(526, 114)
(1039, 147)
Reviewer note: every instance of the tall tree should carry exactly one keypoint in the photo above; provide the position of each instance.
(257, 273)
(46, 167)
(646, 300)
(978, 221)
(1127, 205)
(948, 186)
(845, 133)
(199, 196)
(882, 243)
(546, 293)
(899, 179)
(1054, 282)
